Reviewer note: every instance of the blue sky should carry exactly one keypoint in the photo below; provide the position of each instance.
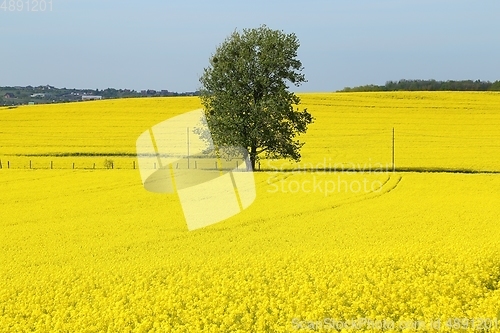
(152, 44)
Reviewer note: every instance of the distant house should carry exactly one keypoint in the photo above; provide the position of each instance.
(90, 97)
(39, 95)
(9, 95)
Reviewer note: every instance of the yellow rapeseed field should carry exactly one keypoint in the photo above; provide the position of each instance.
(89, 250)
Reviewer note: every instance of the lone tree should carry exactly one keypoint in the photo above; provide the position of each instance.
(245, 94)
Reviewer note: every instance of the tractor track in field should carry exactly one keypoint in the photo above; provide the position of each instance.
(388, 186)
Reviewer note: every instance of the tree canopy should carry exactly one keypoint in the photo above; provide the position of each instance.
(246, 98)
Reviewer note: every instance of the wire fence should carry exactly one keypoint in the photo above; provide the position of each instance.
(463, 149)
(89, 163)
(54, 164)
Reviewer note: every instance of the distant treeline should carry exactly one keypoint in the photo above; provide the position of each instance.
(49, 94)
(429, 85)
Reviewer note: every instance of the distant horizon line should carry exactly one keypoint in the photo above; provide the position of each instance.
(197, 90)
(97, 89)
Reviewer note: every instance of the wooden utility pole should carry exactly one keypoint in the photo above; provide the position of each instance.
(393, 152)
(188, 145)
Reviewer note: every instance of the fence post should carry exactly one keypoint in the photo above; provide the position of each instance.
(155, 166)
(195, 165)
(73, 165)
(93, 166)
(8, 164)
(112, 165)
(0, 164)
(133, 163)
(51, 165)
(30, 164)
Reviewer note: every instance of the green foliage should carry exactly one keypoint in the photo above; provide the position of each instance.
(108, 164)
(245, 94)
(495, 86)
(50, 94)
(428, 85)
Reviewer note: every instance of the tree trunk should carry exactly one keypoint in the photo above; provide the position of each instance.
(250, 158)
(253, 157)
(252, 163)
(248, 163)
